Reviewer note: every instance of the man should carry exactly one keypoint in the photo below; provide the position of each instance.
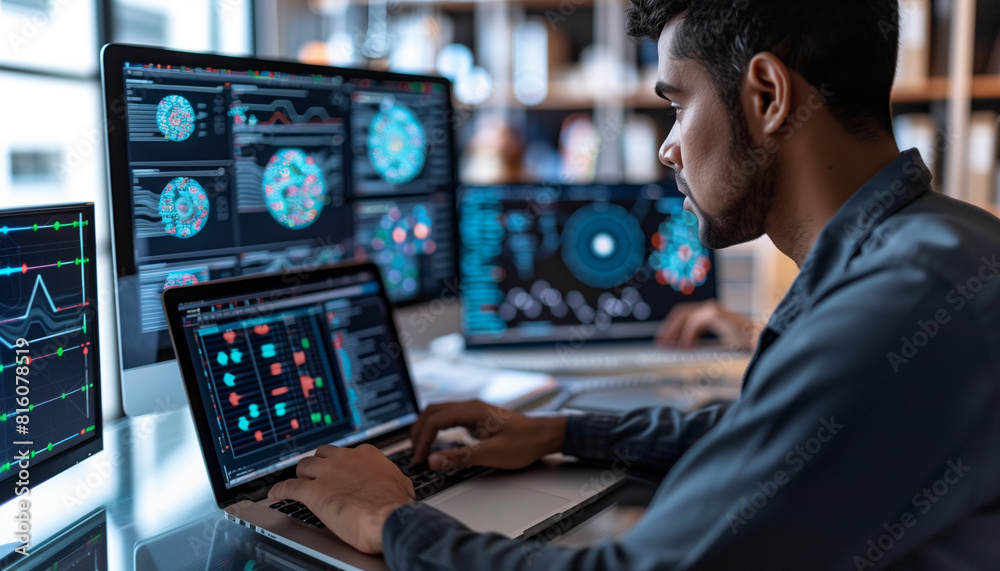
(868, 427)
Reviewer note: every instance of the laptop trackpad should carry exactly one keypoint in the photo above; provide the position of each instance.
(501, 507)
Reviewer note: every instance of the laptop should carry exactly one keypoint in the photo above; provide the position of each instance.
(578, 278)
(277, 365)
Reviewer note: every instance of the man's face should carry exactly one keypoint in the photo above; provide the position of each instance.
(709, 147)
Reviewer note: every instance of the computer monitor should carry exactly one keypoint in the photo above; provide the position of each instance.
(223, 167)
(50, 406)
(558, 263)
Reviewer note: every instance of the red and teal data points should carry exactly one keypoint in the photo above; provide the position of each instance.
(175, 279)
(175, 118)
(679, 258)
(184, 207)
(294, 188)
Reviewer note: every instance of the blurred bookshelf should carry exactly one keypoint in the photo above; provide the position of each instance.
(563, 95)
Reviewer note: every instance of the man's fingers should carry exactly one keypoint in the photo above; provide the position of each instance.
(309, 467)
(440, 417)
(696, 325)
(292, 489)
(454, 458)
(672, 326)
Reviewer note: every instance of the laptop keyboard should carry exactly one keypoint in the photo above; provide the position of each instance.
(426, 482)
(299, 511)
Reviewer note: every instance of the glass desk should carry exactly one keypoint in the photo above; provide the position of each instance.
(145, 502)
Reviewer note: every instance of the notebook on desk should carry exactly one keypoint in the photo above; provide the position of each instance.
(573, 278)
(276, 365)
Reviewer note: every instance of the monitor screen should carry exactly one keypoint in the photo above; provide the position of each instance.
(282, 371)
(50, 406)
(224, 167)
(543, 263)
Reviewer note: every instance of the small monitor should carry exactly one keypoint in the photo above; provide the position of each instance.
(50, 406)
(223, 167)
(552, 263)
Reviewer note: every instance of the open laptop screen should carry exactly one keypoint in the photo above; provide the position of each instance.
(283, 370)
(552, 263)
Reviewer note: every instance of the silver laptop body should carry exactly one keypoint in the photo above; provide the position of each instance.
(347, 316)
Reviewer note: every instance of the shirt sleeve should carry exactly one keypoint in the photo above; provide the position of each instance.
(837, 455)
(653, 437)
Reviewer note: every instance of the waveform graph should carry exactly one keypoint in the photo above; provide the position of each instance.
(602, 245)
(678, 257)
(175, 118)
(294, 188)
(183, 207)
(396, 143)
(48, 335)
(270, 382)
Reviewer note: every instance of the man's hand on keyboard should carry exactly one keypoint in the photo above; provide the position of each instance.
(505, 439)
(687, 322)
(352, 490)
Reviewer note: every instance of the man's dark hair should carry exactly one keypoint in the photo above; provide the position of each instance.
(846, 47)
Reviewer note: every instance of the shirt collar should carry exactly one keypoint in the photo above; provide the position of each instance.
(883, 195)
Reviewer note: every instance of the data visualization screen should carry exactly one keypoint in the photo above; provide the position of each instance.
(283, 372)
(50, 405)
(551, 263)
(234, 171)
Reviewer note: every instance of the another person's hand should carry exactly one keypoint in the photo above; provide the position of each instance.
(506, 439)
(687, 322)
(351, 490)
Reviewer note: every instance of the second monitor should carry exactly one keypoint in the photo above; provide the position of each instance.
(545, 263)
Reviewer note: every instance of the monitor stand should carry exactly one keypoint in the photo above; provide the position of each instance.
(153, 389)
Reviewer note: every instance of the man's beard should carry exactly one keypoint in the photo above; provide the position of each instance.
(747, 197)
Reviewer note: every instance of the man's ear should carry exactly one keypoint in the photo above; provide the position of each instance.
(766, 95)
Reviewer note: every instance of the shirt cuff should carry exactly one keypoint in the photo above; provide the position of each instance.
(409, 530)
(588, 436)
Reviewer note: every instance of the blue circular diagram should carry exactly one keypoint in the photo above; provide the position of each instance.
(602, 245)
(679, 258)
(396, 144)
(175, 117)
(183, 207)
(294, 188)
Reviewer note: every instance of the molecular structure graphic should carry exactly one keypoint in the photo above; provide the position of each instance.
(183, 207)
(175, 117)
(294, 188)
(397, 240)
(679, 258)
(396, 143)
(175, 279)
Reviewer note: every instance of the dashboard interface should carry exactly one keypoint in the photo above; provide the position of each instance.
(245, 171)
(283, 372)
(544, 263)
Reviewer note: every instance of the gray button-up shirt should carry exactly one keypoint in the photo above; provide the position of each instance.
(867, 433)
